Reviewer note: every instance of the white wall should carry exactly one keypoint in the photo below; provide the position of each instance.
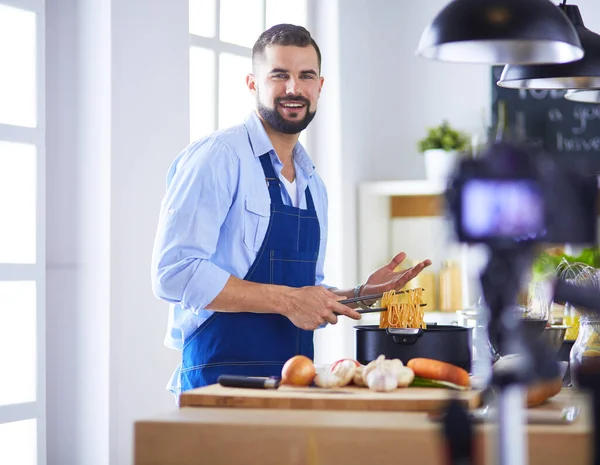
(117, 115)
(78, 265)
(62, 92)
(150, 125)
(409, 93)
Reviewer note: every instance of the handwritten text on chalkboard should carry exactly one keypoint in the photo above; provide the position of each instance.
(550, 121)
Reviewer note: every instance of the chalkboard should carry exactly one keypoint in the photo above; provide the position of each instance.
(548, 120)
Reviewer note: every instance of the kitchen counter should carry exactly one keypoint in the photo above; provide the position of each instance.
(225, 435)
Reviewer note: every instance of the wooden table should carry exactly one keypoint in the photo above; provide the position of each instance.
(248, 436)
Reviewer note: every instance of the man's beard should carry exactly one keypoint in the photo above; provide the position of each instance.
(278, 122)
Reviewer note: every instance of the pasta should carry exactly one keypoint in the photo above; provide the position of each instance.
(403, 309)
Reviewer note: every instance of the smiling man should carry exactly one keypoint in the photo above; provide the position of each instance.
(286, 97)
(242, 233)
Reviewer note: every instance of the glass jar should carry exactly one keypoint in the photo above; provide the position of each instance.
(571, 319)
(538, 302)
(587, 344)
(450, 286)
(426, 280)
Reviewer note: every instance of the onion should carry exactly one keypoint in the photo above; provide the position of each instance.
(298, 371)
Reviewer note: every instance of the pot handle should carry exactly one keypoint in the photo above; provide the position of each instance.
(405, 336)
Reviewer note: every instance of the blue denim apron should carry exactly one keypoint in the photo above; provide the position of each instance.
(258, 344)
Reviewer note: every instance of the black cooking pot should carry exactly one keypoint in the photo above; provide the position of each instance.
(446, 343)
(532, 330)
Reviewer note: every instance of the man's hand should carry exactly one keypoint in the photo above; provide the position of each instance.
(310, 307)
(385, 278)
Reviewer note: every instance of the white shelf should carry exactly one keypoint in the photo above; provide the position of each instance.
(413, 187)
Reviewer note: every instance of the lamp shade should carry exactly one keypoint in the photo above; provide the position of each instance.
(584, 96)
(500, 32)
(581, 74)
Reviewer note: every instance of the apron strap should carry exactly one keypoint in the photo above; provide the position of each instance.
(274, 183)
(272, 179)
(310, 205)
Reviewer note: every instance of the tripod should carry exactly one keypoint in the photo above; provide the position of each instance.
(500, 282)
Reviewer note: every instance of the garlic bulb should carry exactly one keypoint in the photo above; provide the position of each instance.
(344, 371)
(394, 364)
(327, 379)
(405, 376)
(382, 380)
(371, 366)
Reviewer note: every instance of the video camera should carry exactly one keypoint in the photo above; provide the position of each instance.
(512, 195)
(511, 198)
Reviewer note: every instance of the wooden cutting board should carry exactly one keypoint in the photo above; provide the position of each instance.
(313, 398)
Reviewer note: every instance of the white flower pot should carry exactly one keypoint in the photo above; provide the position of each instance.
(439, 164)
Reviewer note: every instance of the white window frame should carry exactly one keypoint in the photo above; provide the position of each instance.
(217, 46)
(33, 272)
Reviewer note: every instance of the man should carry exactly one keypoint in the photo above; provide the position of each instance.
(242, 233)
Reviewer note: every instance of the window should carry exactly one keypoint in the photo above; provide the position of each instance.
(222, 33)
(22, 238)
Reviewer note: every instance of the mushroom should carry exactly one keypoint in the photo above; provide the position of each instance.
(327, 379)
(344, 370)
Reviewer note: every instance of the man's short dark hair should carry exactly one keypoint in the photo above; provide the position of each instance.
(284, 34)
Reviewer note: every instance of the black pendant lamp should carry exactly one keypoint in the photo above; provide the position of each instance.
(500, 32)
(581, 74)
(584, 96)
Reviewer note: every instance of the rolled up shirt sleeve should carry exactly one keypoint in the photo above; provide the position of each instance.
(200, 185)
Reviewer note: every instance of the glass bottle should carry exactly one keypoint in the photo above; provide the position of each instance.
(538, 303)
(502, 132)
(450, 286)
(587, 344)
(426, 280)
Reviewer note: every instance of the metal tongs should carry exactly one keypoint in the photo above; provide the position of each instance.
(371, 297)
(368, 297)
(373, 310)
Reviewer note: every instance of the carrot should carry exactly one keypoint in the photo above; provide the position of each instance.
(440, 371)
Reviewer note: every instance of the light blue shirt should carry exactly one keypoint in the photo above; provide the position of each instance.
(214, 217)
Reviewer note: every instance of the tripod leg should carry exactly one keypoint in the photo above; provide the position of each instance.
(588, 377)
(458, 434)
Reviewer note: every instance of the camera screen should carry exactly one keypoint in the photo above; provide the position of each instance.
(493, 208)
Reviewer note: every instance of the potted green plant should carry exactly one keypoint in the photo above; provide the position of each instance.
(441, 147)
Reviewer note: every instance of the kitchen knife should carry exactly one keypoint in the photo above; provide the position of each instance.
(248, 382)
